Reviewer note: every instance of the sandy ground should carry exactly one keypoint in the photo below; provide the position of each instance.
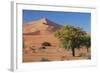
(52, 54)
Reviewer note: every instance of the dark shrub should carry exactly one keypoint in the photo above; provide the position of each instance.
(46, 44)
(44, 59)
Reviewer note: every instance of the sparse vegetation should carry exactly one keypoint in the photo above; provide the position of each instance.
(72, 37)
(44, 59)
(86, 41)
(46, 44)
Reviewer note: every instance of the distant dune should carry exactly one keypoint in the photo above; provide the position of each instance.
(40, 26)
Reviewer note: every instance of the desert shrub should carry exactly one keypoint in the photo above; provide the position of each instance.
(44, 59)
(46, 44)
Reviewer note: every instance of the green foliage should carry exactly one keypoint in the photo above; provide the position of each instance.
(86, 41)
(70, 37)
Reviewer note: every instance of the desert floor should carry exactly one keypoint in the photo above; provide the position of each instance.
(52, 54)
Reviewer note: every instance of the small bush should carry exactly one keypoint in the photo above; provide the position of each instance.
(46, 44)
(44, 59)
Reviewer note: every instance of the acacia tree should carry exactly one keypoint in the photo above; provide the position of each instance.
(86, 41)
(70, 37)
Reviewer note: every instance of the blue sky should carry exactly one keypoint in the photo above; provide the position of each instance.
(77, 19)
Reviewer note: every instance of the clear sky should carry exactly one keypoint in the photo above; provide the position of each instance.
(77, 19)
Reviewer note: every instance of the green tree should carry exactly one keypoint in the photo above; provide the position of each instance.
(70, 37)
(86, 41)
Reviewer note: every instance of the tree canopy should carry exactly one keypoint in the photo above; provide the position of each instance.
(70, 37)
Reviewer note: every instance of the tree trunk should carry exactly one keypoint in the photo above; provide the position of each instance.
(73, 51)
